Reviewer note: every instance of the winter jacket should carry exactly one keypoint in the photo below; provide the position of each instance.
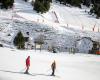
(53, 66)
(28, 61)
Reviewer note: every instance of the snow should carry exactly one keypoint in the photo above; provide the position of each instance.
(61, 25)
(75, 16)
(69, 66)
(81, 43)
(64, 15)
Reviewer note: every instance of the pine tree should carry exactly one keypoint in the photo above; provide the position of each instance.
(47, 5)
(72, 2)
(59, 1)
(25, 0)
(87, 2)
(7, 4)
(39, 7)
(94, 48)
(96, 10)
(19, 41)
(42, 6)
(76, 3)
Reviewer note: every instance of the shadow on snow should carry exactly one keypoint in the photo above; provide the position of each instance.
(33, 74)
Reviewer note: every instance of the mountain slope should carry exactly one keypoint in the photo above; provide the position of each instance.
(62, 25)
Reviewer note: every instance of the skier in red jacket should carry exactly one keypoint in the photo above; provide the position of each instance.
(27, 64)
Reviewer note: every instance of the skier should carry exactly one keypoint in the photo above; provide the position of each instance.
(27, 64)
(53, 67)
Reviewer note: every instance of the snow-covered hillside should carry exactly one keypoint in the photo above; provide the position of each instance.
(62, 25)
(70, 16)
(69, 66)
(63, 28)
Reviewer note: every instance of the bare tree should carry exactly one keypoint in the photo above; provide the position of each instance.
(39, 40)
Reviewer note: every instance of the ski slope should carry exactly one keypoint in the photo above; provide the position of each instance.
(61, 26)
(72, 16)
(69, 66)
(76, 16)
